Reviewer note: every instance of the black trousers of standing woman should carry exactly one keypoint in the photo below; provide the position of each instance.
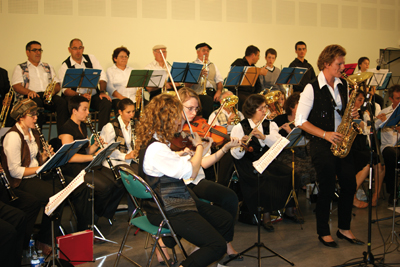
(329, 167)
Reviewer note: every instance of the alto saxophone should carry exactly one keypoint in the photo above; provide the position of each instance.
(348, 128)
(6, 107)
(49, 92)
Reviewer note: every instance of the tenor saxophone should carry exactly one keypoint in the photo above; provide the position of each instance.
(49, 92)
(6, 107)
(348, 128)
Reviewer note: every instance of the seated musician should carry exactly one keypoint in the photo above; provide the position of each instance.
(207, 226)
(285, 122)
(107, 191)
(118, 77)
(227, 118)
(389, 141)
(31, 78)
(21, 158)
(276, 180)
(99, 100)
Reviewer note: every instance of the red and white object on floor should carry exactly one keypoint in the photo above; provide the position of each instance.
(77, 247)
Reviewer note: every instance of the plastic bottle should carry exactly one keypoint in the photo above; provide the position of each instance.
(31, 250)
(35, 262)
(40, 257)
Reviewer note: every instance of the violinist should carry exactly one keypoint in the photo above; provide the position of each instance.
(207, 226)
(276, 180)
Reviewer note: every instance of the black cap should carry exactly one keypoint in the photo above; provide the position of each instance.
(203, 44)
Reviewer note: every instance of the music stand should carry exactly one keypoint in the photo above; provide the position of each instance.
(296, 139)
(186, 72)
(350, 68)
(81, 78)
(291, 76)
(260, 165)
(60, 158)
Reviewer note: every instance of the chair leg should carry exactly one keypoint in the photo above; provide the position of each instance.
(147, 241)
(122, 245)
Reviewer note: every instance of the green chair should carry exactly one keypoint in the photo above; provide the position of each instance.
(139, 189)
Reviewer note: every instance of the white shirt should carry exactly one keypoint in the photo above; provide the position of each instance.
(228, 127)
(38, 77)
(388, 135)
(12, 149)
(154, 65)
(117, 80)
(108, 135)
(95, 64)
(218, 78)
(269, 140)
(307, 100)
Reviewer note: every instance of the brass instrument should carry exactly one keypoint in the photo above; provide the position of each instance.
(272, 101)
(230, 102)
(97, 138)
(6, 107)
(204, 78)
(7, 185)
(140, 100)
(347, 126)
(49, 92)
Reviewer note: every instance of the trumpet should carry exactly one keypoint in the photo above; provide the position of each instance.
(7, 185)
(49, 92)
(6, 107)
(97, 138)
(204, 78)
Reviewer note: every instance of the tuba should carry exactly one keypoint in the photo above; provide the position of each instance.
(6, 107)
(49, 92)
(272, 101)
(348, 127)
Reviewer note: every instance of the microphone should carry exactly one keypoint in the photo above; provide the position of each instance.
(380, 60)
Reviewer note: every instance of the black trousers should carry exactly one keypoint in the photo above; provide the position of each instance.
(209, 229)
(328, 167)
(389, 155)
(207, 105)
(225, 169)
(59, 105)
(12, 225)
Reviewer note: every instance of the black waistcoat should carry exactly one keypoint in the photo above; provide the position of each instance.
(88, 65)
(255, 143)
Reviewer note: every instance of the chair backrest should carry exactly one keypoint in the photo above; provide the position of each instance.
(135, 185)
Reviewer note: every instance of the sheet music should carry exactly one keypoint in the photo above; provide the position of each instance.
(57, 199)
(262, 163)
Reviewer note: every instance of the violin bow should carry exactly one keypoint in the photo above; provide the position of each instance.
(176, 91)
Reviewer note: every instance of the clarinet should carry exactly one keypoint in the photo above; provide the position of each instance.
(47, 149)
(7, 185)
(133, 138)
(97, 138)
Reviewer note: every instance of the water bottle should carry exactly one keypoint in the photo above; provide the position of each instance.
(31, 250)
(40, 257)
(35, 261)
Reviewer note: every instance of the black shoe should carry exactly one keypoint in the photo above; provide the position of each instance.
(294, 218)
(353, 241)
(268, 226)
(331, 244)
(170, 261)
(240, 258)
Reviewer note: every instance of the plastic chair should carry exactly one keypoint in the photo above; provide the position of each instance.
(139, 189)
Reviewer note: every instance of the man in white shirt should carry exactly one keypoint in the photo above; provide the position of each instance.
(30, 80)
(100, 100)
(389, 138)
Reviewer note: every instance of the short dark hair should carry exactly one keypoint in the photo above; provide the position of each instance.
(299, 43)
(75, 39)
(394, 88)
(329, 54)
(124, 103)
(360, 61)
(360, 92)
(28, 45)
(75, 101)
(291, 102)
(251, 49)
(252, 103)
(119, 50)
(271, 51)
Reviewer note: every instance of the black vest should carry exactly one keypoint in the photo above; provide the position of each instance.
(88, 65)
(119, 137)
(171, 192)
(322, 114)
(258, 150)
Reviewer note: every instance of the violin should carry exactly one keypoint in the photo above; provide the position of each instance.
(200, 126)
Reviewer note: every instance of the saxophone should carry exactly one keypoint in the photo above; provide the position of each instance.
(49, 92)
(6, 107)
(347, 127)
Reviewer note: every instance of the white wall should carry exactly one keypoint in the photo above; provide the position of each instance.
(229, 26)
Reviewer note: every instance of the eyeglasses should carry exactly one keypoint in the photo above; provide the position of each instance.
(77, 48)
(36, 50)
(123, 57)
(191, 109)
(32, 114)
(262, 108)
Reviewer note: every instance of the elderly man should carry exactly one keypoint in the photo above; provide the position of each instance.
(100, 100)
(300, 61)
(251, 57)
(30, 80)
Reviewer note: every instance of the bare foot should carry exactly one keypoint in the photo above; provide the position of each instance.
(359, 204)
(230, 250)
(374, 199)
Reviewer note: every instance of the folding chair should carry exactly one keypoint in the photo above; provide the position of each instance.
(139, 189)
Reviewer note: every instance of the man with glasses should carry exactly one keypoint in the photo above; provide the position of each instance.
(30, 80)
(100, 100)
